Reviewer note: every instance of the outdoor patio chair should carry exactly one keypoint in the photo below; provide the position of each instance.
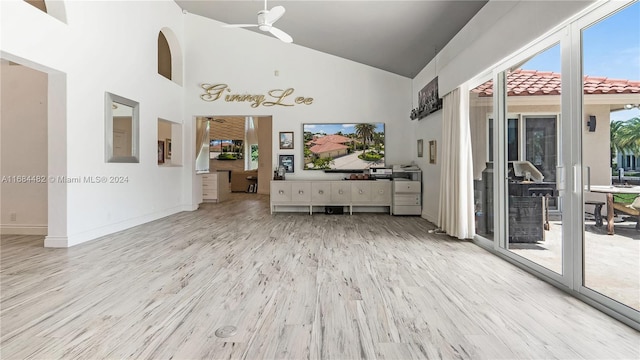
(597, 211)
(629, 205)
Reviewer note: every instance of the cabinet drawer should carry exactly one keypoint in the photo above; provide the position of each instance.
(209, 195)
(407, 210)
(280, 192)
(301, 192)
(406, 199)
(381, 192)
(209, 181)
(406, 186)
(321, 192)
(340, 192)
(209, 185)
(360, 192)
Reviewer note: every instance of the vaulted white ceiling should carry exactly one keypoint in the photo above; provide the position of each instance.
(398, 36)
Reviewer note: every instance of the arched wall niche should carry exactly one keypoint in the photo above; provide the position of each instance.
(164, 57)
(169, 56)
(54, 8)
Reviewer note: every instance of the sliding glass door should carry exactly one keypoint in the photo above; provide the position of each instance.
(610, 132)
(533, 104)
(555, 137)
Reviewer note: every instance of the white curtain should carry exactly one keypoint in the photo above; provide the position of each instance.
(251, 135)
(202, 134)
(202, 145)
(250, 138)
(456, 215)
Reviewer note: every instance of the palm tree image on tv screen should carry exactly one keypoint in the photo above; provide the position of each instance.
(341, 146)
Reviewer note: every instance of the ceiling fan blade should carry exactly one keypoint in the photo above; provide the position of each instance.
(274, 14)
(239, 25)
(281, 35)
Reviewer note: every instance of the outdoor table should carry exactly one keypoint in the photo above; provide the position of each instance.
(609, 190)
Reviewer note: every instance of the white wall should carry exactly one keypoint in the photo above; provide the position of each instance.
(500, 29)
(23, 128)
(429, 128)
(111, 46)
(496, 32)
(106, 46)
(595, 149)
(343, 91)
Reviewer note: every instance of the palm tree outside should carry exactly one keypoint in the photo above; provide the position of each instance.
(625, 137)
(629, 135)
(365, 132)
(614, 144)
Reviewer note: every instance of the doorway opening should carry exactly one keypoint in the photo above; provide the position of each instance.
(24, 150)
(242, 146)
(33, 121)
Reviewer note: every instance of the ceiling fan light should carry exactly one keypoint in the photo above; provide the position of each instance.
(266, 18)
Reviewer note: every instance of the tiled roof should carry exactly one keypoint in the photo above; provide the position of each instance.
(338, 139)
(602, 85)
(319, 149)
(533, 82)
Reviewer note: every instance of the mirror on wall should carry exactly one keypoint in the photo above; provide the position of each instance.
(122, 125)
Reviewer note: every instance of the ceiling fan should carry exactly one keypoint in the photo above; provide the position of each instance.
(266, 18)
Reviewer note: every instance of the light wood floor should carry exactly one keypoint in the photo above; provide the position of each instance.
(295, 286)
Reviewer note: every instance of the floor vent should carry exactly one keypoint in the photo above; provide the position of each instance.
(226, 331)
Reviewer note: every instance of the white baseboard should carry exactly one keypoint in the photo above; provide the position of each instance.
(75, 239)
(430, 217)
(23, 229)
(56, 242)
(192, 207)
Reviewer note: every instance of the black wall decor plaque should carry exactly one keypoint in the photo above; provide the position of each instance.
(429, 100)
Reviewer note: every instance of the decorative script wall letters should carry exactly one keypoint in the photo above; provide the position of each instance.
(274, 97)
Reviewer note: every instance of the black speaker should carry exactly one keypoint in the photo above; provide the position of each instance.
(591, 124)
(334, 210)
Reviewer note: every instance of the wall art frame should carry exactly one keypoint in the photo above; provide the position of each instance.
(160, 151)
(429, 100)
(286, 140)
(288, 162)
(167, 150)
(432, 152)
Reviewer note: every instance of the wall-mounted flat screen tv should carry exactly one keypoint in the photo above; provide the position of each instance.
(338, 146)
(225, 149)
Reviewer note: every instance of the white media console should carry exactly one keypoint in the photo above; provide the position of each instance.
(345, 193)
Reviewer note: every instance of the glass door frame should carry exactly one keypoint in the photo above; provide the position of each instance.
(570, 171)
(596, 299)
(500, 246)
